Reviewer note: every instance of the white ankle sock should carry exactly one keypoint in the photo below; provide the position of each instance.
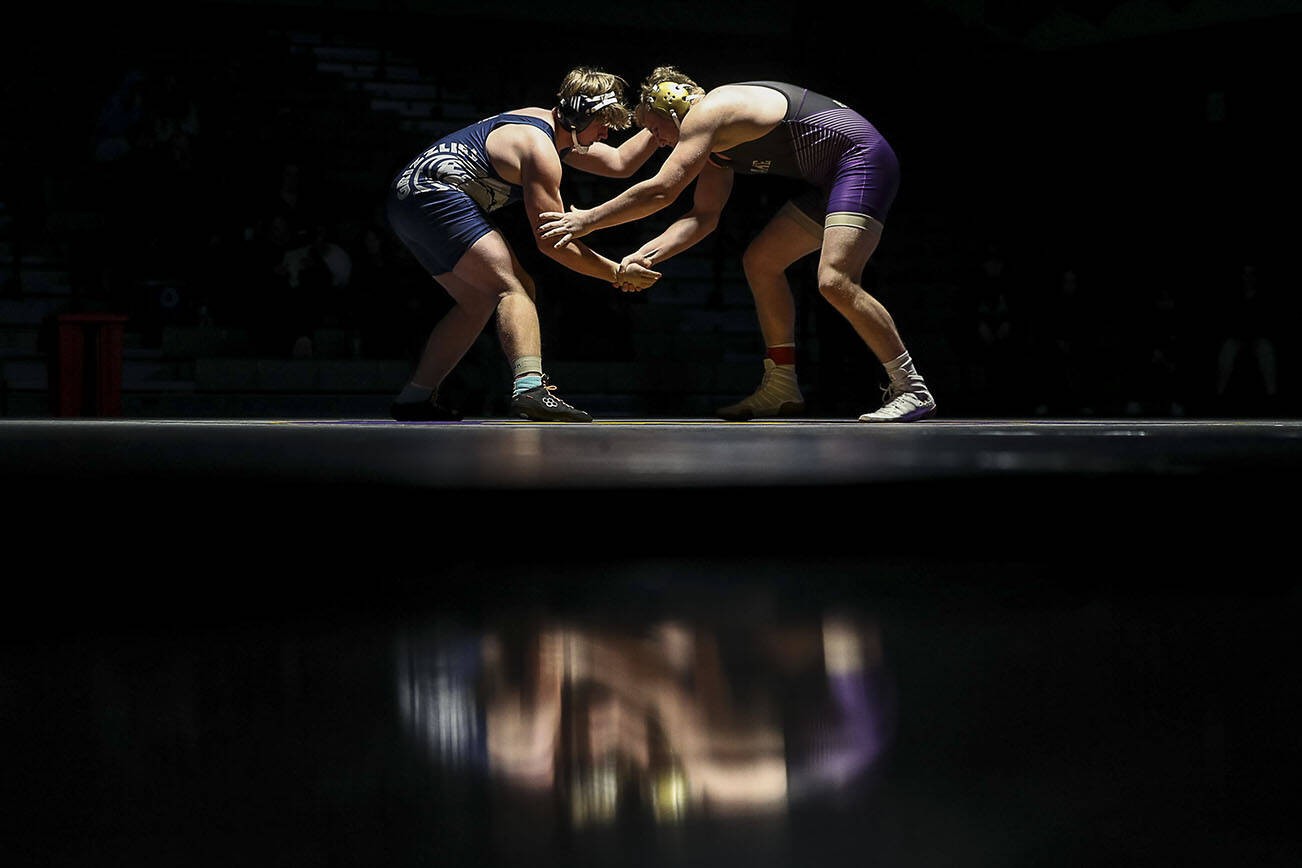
(904, 376)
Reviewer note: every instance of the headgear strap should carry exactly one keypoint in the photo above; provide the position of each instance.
(577, 111)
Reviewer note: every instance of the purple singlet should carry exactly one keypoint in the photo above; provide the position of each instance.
(828, 144)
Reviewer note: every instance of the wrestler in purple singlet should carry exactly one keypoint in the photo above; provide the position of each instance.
(828, 144)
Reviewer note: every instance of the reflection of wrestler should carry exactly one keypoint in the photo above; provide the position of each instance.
(766, 127)
(595, 713)
(678, 723)
(523, 717)
(839, 725)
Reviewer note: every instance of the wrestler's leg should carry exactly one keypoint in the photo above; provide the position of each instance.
(454, 334)
(490, 267)
(439, 230)
(846, 250)
(789, 236)
(785, 239)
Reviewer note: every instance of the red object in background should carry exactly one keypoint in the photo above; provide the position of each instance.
(88, 376)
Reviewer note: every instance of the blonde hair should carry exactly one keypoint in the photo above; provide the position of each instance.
(658, 76)
(593, 82)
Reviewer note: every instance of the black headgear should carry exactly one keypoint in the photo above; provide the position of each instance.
(576, 111)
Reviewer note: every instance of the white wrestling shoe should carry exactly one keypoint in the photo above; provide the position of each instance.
(901, 406)
(778, 395)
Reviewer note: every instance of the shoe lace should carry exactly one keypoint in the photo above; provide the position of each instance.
(551, 389)
(771, 388)
(894, 391)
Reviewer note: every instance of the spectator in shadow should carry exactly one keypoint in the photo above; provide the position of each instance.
(1163, 383)
(169, 131)
(288, 202)
(1248, 329)
(274, 254)
(388, 298)
(263, 300)
(171, 122)
(120, 119)
(388, 287)
(288, 196)
(119, 176)
(214, 276)
(373, 294)
(316, 274)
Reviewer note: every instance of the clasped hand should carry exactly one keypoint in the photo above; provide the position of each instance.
(635, 274)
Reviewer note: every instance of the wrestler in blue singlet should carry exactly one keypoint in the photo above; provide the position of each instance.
(438, 204)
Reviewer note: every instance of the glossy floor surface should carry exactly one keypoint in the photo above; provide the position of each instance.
(650, 642)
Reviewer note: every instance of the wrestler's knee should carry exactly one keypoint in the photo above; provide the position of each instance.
(526, 283)
(518, 286)
(479, 305)
(837, 287)
(760, 260)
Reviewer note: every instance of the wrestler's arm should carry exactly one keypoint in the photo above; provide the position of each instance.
(615, 162)
(540, 180)
(689, 156)
(713, 186)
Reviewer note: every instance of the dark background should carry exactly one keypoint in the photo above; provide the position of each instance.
(1087, 673)
(1143, 147)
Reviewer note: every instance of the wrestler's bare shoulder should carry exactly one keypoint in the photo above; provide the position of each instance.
(510, 145)
(541, 114)
(746, 102)
(739, 113)
(518, 132)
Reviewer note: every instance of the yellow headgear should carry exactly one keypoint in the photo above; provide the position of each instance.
(671, 98)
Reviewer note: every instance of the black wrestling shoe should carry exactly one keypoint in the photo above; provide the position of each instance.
(541, 404)
(422, 411)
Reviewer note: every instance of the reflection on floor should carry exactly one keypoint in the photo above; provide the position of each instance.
(594, 716)
(1021, 645)
(742, 726)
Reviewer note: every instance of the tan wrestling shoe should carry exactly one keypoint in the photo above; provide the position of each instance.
(778, 395)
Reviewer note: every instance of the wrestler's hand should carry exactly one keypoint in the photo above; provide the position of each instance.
(568, 226)
(646, 260)
(636, 278)
(635, 272)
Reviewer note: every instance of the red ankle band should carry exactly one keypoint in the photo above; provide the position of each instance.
(782, 355)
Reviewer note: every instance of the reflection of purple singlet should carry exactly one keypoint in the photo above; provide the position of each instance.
(840, 739)
(828, 144)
